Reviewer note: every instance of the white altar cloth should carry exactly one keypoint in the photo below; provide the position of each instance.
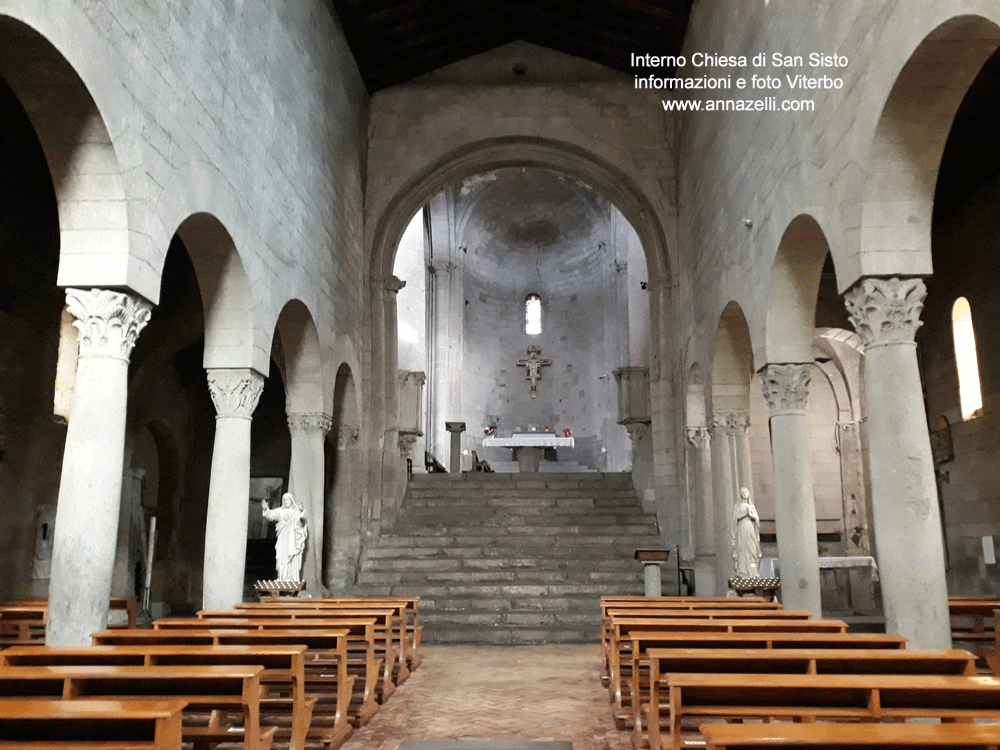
(769, 567)
(530, 440)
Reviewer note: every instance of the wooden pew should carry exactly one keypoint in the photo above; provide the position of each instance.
(329, 659)
(390, 620)
(619, 654)
(90, 724)
(840, 736)
(807, 697)
(284, 674)
(217, 689)
(386, 643)
(410, 606)
(673, 603)
(977, 621)
(662, 663)
(25, 620)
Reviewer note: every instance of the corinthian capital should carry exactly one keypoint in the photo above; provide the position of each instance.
(786, 387)
(393, 284)
(235, 392)
(316, 424)
(886, 311)
(721, 424)
(699, 436)
(347, 436)
(109, 322)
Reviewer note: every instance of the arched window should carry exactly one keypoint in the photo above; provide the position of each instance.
(533, 315)
(966, 360)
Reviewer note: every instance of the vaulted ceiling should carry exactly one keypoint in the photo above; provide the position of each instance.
(396, 40)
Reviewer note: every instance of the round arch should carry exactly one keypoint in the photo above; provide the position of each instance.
(517, 151)
(302, 366)
(909, 141)
(74, 135)
(792, 292)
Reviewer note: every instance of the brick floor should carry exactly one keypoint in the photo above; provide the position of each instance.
(499, 693)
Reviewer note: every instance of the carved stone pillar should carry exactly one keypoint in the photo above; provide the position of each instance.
(343, 542)
(886, 312)
(700, 439)
(235, 393)
(306, 483)
(786, 389)
(86, 526)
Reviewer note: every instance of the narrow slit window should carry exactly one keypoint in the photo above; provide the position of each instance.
(533, 315)
(966, 359)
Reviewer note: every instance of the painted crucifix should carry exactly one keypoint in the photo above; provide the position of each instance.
(533, 368)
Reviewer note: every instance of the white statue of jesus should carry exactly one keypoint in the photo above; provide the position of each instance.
(746, 537)
(292, 533)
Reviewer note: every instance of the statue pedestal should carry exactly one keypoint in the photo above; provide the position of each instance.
(276, 589)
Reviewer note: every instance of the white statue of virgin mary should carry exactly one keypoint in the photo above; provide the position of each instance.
(746, 536)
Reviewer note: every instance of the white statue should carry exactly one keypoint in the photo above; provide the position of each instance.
(746, 537)
(292, 533)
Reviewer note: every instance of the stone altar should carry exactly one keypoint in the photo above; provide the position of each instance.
(529, 447)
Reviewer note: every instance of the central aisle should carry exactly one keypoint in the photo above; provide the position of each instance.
(499, 693)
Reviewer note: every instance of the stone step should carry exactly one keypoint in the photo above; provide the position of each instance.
(497, 577)
(545, 467)
(510, 635)
(397, 565)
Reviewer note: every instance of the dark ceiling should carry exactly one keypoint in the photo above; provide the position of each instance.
(397, 40)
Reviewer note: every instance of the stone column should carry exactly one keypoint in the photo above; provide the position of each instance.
(86, 526)
(306, 483)
(343, 545)
(724, 490)
(886, 312)
(700, 439)
(786, 388)
(235, 393)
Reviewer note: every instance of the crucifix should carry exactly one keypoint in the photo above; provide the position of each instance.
(533, 368)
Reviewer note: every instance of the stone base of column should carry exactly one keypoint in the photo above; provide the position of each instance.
(705, 575)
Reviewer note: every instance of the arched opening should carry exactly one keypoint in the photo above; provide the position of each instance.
(495, 248)
(700, 510)
(970, 395)
(343, 519)
(732, 430)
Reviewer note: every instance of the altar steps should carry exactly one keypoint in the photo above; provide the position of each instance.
(512, 558)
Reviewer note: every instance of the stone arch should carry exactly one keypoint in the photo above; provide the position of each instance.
(909, 141)
(792, 292)
(93, 212)
(343, 521)
(732, 369)
(231, 333)
(516, 151)
(302, 366)
(732, 361)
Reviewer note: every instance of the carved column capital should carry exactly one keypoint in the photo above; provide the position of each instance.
(406, 441)
(786, 387)
(347, 436)
(235, 392)
(729, 422)
(637, 430)
(886, 311)
(392, 284)
(699, 436)
(316, 423)
(109, 322)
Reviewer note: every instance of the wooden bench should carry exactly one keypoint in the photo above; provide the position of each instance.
(90, 724)
(25, 620)
(386, 643)
(219, 690)
(390, 622)
(619, 653)
(840, 736)
(644, 639)
(410, 606)
(661, 663)
(283, 675)
(976, 620)
(334, 656)
(869, 698)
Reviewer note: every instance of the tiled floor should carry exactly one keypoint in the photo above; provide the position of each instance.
(499, 693)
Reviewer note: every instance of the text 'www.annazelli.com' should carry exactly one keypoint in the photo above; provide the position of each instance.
(767, 104)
